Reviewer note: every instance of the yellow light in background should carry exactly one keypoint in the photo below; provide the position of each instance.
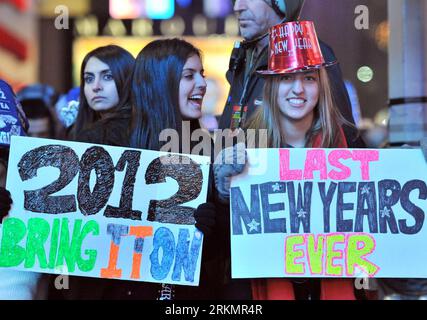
(382, 117)
(87, 26)
(115, 28)
(365, 74)
(382, 34)
(200, 25)
(46, 8)
(142, 28)
(231, 26)
(173, 27)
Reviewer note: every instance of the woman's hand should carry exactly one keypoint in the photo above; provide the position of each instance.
(205, 216)
(229, 162)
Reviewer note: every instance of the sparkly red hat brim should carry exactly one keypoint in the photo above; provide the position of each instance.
(295, 70)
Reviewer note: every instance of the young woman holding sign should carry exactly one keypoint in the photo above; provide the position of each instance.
(104, 104)
(104, 118)
(298, 112)
(168, 87)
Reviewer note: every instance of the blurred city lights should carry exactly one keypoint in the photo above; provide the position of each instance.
(160, 9)
(127, 9)
(133, 9)
(382, 34)
(200, 25)
(217, 8)
(231, 26)
(184, 3)
(365, 74)
(173, 27)
(142, 27)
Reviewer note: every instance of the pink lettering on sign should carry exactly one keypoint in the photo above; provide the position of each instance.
(334, 157)
(285, 172)
(316, 160)
(365, 157)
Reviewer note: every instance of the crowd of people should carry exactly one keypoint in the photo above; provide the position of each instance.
(128, 102)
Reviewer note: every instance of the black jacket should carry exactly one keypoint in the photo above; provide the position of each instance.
(253, 97)
(112, 132)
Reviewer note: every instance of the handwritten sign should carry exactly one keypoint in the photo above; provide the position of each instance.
(330, 213)
(102, 211)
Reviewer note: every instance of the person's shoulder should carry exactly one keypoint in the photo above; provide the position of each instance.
(353, 137)
(92, 134)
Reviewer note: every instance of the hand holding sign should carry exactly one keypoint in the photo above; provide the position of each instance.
(229, 162)
(205, 216)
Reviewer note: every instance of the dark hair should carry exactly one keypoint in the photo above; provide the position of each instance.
(155, 90)
(121, 64)
(36, 109)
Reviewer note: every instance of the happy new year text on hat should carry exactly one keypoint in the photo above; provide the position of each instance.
(293, 47)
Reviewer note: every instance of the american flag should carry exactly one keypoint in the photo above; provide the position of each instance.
(16, 61)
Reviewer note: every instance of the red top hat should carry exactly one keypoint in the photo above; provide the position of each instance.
(294, 47)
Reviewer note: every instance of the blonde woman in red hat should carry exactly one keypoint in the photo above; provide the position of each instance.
(298, 111)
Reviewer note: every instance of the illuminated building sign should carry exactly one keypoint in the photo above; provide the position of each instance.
(133, 9)
(217, 8)
(184, 3)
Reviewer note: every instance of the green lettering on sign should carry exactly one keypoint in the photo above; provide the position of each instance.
(11, 254)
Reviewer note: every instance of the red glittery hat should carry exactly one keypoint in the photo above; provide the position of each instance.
(294, 47)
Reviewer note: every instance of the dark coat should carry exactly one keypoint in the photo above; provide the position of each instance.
(254, 91)
(112, 132)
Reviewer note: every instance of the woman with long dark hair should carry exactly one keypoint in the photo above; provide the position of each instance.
(104, 117)
(168, 87)
(104, 104)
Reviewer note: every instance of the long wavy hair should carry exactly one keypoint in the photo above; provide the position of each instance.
(121, 64)
(155, 91)
(327, 118)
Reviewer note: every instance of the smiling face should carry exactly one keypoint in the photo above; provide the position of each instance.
(298, 95)
(192, 89)
(255, 17)
(99, 86)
